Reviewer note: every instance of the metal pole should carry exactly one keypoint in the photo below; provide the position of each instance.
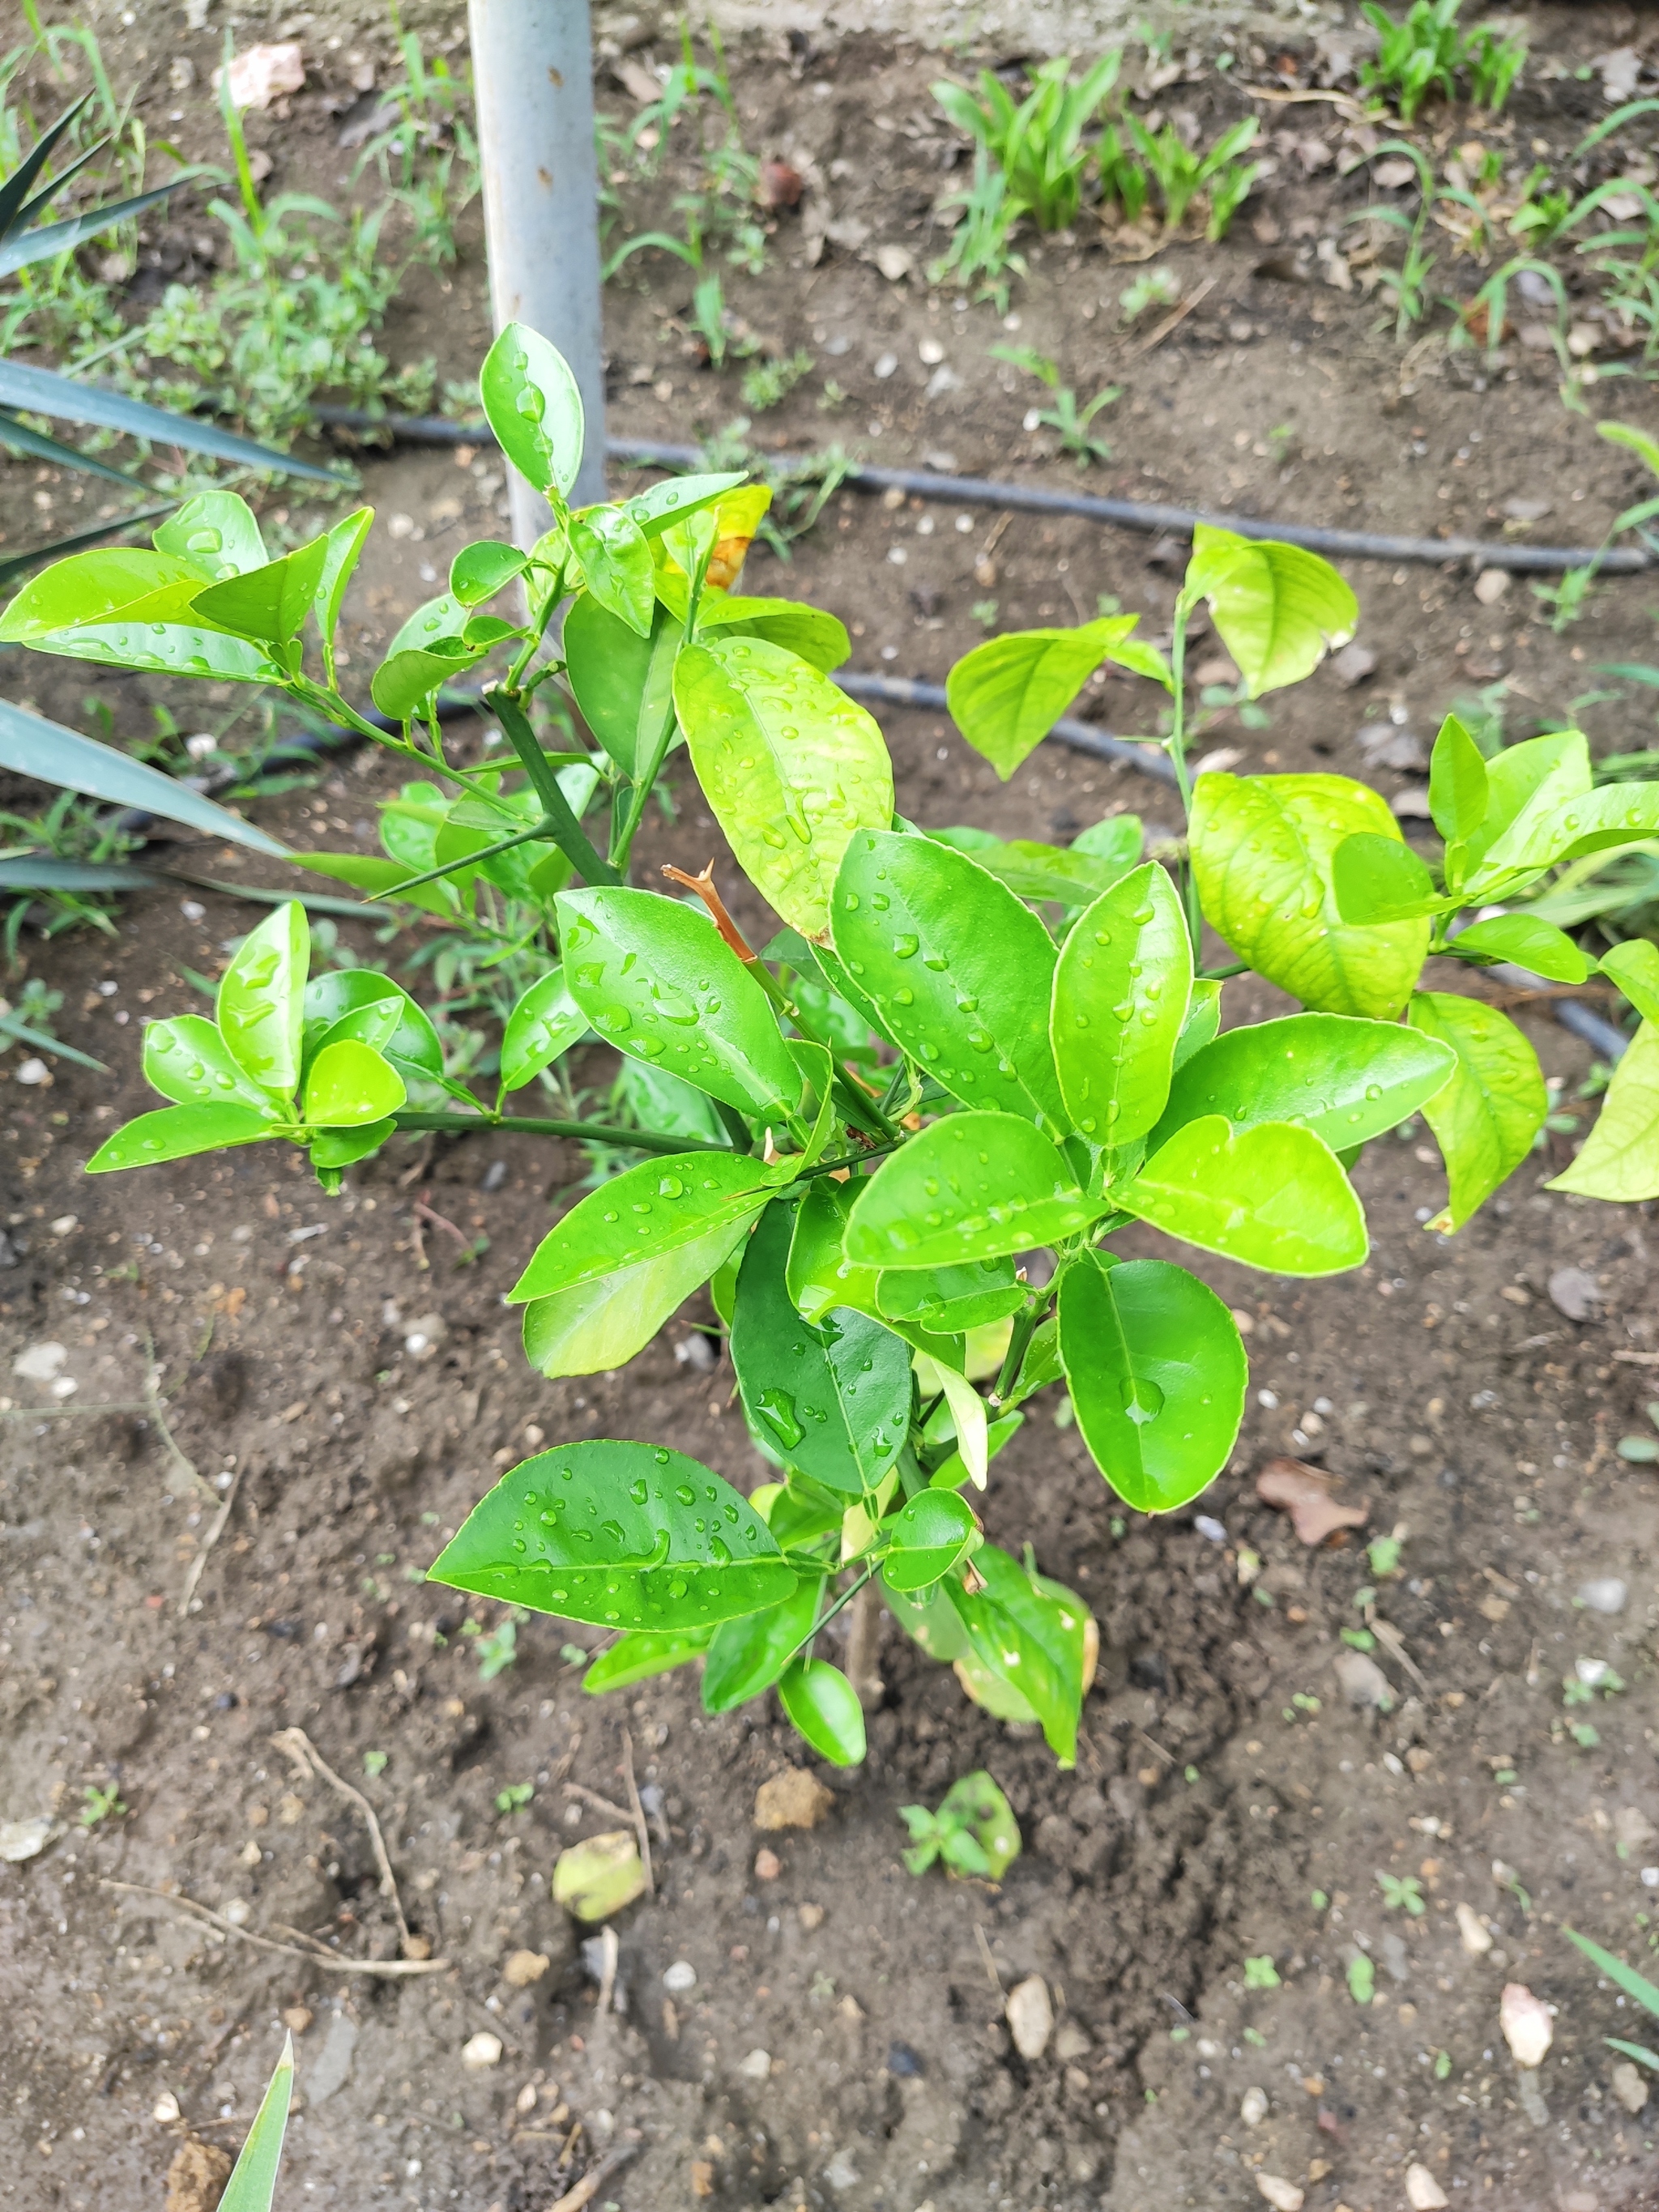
(532, 72)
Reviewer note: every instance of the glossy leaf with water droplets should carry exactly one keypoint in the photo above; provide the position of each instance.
(178, 1132)
(624, 682)
(546, 1021)
(1156, 1372)
(1007, 694)
(657, 980)
(217, 533)
(790, 766)
(623, 1536)
(811, 634)
(969, 1187)
(260, 1007)
(617, 564)
(926, 1538)
(1345, 1079)
(1120, 990)
(1491, 1105)
(596, 1326)
(832, 1398)
(649, 1211)
(345, 543)
(1278, 609)
(641, 1653)
(348, 1084)
(819, 1275)
(533, 406)
(948, 1300)
(1262, 849)
(1273, 1196)
(345, 1002)
(1031, 1634)
(187, 1060)
(268, 604)
(100, 587)
(957, 969)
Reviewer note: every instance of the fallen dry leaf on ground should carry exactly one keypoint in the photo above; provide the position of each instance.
(1305, 1494)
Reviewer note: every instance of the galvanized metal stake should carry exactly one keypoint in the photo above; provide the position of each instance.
(532, 72)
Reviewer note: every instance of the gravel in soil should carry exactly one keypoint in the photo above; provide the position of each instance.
(791, 2018)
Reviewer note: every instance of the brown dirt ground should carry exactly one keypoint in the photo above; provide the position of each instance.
(1207, 1807)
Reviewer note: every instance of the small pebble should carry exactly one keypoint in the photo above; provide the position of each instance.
(1490, 586)
(757, 2066)
(1283, 2195)
(1525, 2020)
(1574, 1293)
(1213, 1532)
(32, 1071)
(1477, 1937)
(1606, 1594)
(1423, 2193)
(1630, 2088)
(793, 1799)
(165, 2109)
(1031, 2016)
(1363, 1681)
(524, 1968)
(679, 1978)
(811, 1917)
(768, 1866)
(1253, 2107)
(482, 2050)
(40, 1363)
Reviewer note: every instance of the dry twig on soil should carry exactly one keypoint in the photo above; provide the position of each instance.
(386, 1969)
(296, 1746)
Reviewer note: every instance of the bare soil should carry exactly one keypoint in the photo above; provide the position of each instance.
(1224, 1779)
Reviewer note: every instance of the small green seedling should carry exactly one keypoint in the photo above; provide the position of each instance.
(1154, 288)
(515, 1798)
(1382, 1555)
(974, 1830)
(1362, 1979)
(1402, 1892)
(100, 1804)
(1261, 1973)
(375, 1764)
(1427, 51)
(496, 1651)
(1037, 145)
(1065, 415)
(252, 2184)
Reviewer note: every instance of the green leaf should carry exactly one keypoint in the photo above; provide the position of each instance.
(1619, 1159)
(927, 1539)
(1203, 1019)
(188, 1061)
(1262, 849)
(1121, 991)
(653, 1209)
(1156, 1372)
(617, 564)
(946, 1301)
(823, 1707)
(1345, 1079)
(252, 2182)
(1116, 838)
(657, 980)
(1634, 1985)
(811, 634)
(624, 684)
(260, 1008)
(675, 497)
(745, 1657)
(269, 605)
(217, 533)
(1007, 694)
(534, 408)
(1617, 814)
(482, 568)
(599, 1325)
(624, 1535)
(1273, 1196)
(1634, 967)
(150, 640)
(1377, 878)
(967, 1189)
(1031, 1634)
(1458, 790)
(819, 1275)
(344, 544)
(1277, 608)
(368, 871)
(1528, 787)
(103, 585)
(1491, 1106)
(404, 681)
(976, 1803)
(956, 970)
(546, 1022)
(833, 1398)
(356, 1002)
(1070, 876)
(641, 1653)
(342, 1148)
(1531, 943)
(349, 1083)
(178, 1131)
(790, 766)
(432, 623)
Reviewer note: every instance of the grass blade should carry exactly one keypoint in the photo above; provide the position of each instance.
(31, 745)
(1623, 1977)
(40, 447)
(42, 391)
(15, 190)
(1633, 2051)
(252, 2182)
(44, 872)
(55, 238)
(11, 1027)
(57, 546)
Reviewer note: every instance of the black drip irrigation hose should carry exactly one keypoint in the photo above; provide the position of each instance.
(1153, 519)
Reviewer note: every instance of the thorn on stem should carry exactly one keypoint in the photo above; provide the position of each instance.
(704, 885)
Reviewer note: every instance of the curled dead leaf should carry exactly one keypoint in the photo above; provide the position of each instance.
(1305, 1494)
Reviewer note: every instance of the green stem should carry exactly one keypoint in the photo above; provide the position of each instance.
(846, 1160)
(566, 831)
(846, 1598)
(542, 830)
(598, 1133)
(622, 844)
(1220, 974)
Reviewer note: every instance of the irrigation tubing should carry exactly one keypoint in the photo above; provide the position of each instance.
(1150, 517)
